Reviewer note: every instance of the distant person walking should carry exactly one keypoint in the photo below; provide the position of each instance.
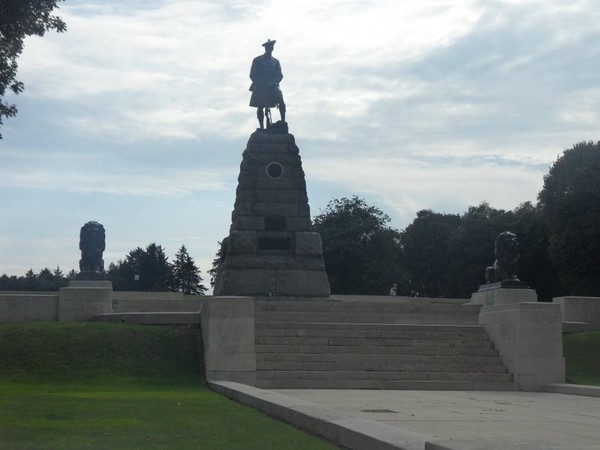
(394, 290)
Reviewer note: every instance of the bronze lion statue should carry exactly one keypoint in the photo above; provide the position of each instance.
(92, 242)
(507, 257)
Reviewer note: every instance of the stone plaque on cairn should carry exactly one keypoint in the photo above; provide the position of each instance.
(271, 249)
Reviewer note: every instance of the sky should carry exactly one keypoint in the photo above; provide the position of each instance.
(138, 115)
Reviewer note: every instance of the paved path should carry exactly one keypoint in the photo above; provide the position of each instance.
(474, 420)
(435, 420)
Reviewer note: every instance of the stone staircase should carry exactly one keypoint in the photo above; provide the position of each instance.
(398, 343)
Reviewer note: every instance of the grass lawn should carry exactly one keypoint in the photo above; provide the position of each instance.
(582, 352)
(107, 386)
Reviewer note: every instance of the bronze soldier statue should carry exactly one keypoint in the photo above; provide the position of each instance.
(266, 75)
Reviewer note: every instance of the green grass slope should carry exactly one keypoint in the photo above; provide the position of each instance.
(98, 353)
(107, 386)
(582, 353)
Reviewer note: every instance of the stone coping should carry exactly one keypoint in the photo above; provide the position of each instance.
(573, 389)
(151, 318)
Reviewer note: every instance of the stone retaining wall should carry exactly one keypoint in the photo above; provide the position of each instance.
(44, 306)
(29, 306)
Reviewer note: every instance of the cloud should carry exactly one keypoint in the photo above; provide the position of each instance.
(407, 185)
(433, 104)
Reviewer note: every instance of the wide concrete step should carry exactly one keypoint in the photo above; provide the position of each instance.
(485, 350)
(404, 312)
(389, 333)
(375, 317)
(368, 307)
(381, 375)
(389, 385)
(378, 365)
(400, 360)
(358, 326)
(373, 342)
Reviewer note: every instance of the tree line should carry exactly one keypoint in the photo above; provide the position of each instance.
(445, 255)
(146, 269)
(437, 255)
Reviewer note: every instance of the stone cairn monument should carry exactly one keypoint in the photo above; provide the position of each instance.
(271, 250)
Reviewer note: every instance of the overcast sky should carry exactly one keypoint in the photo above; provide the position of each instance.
(138, 115)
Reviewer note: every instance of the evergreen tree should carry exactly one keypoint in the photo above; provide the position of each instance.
(186, 275)
(142, 270)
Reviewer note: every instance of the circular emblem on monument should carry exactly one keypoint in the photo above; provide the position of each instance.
(274, 170)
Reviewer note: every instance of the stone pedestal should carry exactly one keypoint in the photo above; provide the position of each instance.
(502, 296)
(228, 339)
(528, 337)
(81, 300)
(271, 249)
(527, 334)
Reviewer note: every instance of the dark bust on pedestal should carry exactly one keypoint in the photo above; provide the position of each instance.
(92, 242)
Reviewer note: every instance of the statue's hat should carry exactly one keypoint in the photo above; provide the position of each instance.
(269, 43)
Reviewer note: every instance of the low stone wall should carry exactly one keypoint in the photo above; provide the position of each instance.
(580, 309)
(124, 302)
(28, 307)
(54, 306)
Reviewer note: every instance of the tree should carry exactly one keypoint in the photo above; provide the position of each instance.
(446, 255)
(19, 19)
(425, 252)
(471, 248)
(186, 275)
(570, 203)
(142, 270)
(361, 252)
(215, 264)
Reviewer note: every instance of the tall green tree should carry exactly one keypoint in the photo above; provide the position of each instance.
(142, 270)
(446, 255)
(361, 251)
(471, 248)
(186, 274)
(535, 265)
(19, 19)
(570, 203)
(425, 252)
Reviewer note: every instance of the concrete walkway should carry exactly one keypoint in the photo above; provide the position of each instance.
(435, 420)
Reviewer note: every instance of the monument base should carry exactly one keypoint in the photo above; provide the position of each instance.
(81, 300)
(91, 276)
(506, 284)
(274, 282)
(495, 294)
(271, 250)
